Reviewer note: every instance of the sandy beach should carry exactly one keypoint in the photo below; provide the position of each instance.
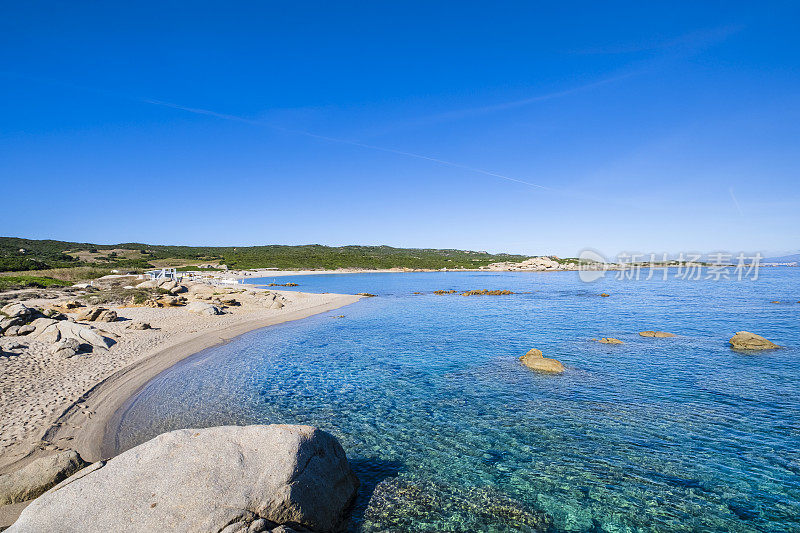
(49, 402)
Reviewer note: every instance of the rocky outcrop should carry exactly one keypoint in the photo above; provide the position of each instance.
(658, 334)
(26, 329)
(744, 340)
(244, 479)
(202, 308)
(403, 505)
(604, 294)
(38, 476)
(66, 348)
(17, 310)
(178, 289)
(51, 331)
(532, 264)
(486, 292)
(272, 300)
(536, 361)
(609, 340)
(97, 314)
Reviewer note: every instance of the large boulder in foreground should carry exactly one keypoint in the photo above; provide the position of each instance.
(536, 361)
(744, 340)
(37, 476)
(230, 478)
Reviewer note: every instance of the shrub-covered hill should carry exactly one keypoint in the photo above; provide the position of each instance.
(18, 254)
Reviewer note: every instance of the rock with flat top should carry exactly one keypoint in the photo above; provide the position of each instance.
(744, 340)
(536, 361)
(38, 476)
(217, 479)
(149, 284)
(658, 334)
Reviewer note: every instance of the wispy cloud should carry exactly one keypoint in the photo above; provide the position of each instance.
(236, 118)
(503, 106)
(687, 41)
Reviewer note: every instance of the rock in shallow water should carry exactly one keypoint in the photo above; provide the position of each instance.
(216, 479)
(609, 340)
(536, 361)
(402, 505)
(658, 334)
(744, 340)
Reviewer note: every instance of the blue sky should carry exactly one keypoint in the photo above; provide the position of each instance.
(504, 126)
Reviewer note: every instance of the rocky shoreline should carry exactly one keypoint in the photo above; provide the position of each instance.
(64, 379)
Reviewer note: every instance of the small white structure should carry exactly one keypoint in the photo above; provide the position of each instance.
(164, 273)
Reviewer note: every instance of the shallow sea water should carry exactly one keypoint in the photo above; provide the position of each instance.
(655, 434)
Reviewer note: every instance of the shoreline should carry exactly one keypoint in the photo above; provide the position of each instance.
(84, 424)
(88, 434)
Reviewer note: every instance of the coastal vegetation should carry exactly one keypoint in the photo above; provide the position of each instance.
(24, 282)
(18, 254)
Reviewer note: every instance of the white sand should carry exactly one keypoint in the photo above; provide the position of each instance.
(42, 395)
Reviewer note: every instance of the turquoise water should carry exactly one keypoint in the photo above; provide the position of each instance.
(426, 392)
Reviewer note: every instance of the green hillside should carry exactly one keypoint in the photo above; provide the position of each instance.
(25, 254)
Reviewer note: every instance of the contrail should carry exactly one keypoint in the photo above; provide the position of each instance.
(236, 118)
(735, 201)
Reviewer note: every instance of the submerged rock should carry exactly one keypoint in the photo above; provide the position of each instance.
(744, 340)
(37, 476)
(486, 292)
(659, 334)
(609, 340)
(231, 478)
(536, 361)
(402, 505)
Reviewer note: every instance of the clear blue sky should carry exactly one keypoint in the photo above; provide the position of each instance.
(494, 126)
